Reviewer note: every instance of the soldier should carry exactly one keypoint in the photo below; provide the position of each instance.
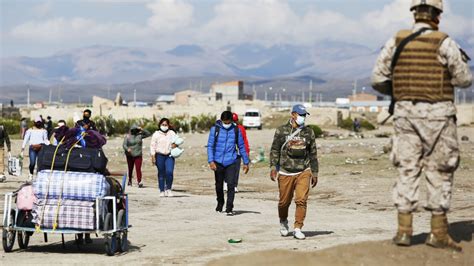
(294, 161)
(422, 83)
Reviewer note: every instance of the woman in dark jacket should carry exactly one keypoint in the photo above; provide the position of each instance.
(132, 145)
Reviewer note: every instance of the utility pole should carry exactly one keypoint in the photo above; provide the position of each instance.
(50, 95)
(302, 96)
(311, 91)
(135, 97)
(28, 95)
(354, 91)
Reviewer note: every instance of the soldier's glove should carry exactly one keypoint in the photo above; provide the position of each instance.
(314, 181)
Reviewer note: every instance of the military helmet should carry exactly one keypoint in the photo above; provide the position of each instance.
(438, 4)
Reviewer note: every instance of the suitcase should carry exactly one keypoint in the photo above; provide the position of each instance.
(80, 160)
(15, 165)
(70, 185)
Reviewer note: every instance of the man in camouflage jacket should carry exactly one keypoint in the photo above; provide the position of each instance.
(424, 78)
(294, 162)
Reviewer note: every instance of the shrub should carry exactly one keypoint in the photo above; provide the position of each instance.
(12, 126)
(348, 124)
(317, 130)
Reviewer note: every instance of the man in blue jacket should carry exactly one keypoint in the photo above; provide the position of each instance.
(224, 139)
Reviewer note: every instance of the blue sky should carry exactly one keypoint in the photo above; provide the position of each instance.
(39, 28)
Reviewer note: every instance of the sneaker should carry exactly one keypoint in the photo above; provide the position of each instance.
(225, 186)
(140, 185)
(162, 194)
(170, 193)
(229, 213)
(298, 234)
(30, 177)
(236, 190)
(219, 208)
(129, 183)
(284, 230)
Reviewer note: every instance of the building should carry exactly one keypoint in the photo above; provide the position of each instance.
(165, 99)
(184, 97)
(369, 106)
(362, 97)
(228, 91)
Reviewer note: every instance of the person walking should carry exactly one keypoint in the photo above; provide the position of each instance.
(4, 139)
(238, 162)
(23, 127)
(49, 126)
(132, 145)
(223, 145)
(35, 137)
(420, 68)
(294, 163)
(160, 150)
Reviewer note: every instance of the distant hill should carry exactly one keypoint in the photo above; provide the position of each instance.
(104, 70)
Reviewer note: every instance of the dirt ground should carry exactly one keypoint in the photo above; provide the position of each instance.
(350, 215)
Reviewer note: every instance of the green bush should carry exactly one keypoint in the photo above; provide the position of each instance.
(317, 130)
(348, 124)
(12, 126)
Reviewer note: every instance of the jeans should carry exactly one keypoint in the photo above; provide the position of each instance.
(226, 174)
(137, 162)
(165, 165)
(33, 155)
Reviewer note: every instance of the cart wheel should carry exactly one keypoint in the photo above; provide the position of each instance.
(8, 236)
(111, 244)
(23, 239)
(123, 238)
(110, 240)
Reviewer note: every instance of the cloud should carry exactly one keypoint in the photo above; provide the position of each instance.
(267, 22)
(170, 15)
(43, 9)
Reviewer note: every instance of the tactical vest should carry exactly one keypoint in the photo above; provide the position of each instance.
(418, 74)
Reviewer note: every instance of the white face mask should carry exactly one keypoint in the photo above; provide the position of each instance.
(300, 120)
(164, 128)
(226, 126)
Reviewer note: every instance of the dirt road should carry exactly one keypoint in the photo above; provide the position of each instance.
(350, 206)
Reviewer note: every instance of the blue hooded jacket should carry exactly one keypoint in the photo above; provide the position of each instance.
(225, 152)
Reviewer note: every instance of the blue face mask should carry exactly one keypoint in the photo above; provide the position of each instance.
(226, 126)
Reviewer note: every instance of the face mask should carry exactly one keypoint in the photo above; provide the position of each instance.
(300, 120)
(226, 126)
(86, 118)
(164, 128)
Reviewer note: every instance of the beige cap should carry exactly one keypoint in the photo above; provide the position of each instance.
(434, 3)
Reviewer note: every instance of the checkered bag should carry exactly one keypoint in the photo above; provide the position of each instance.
(73, 214)
(77, 185)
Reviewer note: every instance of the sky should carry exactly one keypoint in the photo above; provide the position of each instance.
(45, 27)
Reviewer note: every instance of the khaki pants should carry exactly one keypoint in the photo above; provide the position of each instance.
(429, 145)
(2, 159)
(298, 184)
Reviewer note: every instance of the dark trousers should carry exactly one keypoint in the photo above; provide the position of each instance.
(238, 163)
(137, 162)
(226, 174)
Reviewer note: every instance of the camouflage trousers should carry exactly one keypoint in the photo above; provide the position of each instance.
(421, 144)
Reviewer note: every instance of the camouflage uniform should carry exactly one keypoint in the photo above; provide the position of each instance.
(296, 160)
(425, 133)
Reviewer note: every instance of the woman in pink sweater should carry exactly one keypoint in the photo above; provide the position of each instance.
(160, 149)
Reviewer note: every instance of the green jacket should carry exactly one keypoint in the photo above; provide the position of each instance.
(134, 142)
(298, 154)
(4, 138)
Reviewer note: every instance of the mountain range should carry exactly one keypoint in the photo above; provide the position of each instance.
(332, 66)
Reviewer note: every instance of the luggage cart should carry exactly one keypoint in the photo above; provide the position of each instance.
(112, 225)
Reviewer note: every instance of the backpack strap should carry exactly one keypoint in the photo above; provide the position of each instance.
(216, 135)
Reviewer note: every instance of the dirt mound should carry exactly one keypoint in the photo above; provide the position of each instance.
(368, 253)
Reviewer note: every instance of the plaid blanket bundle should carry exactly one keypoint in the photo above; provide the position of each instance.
(75, 185)
(73, 214)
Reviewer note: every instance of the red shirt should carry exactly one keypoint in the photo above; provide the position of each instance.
(246, 141)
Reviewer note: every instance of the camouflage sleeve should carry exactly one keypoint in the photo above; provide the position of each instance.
(276, 149)
(313, 155)
(456, 61)
(382, 72)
